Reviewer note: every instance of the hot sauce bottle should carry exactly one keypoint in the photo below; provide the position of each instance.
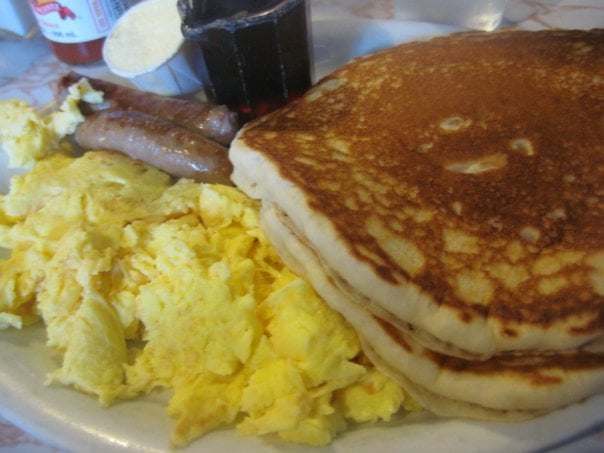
(76, 29)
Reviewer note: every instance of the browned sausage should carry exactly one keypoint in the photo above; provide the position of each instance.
(158, 142)
(215, 122)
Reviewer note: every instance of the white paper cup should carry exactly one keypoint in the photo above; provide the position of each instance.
(147, 47)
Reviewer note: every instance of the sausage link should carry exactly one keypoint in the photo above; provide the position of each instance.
(215, 122)
(158, 142)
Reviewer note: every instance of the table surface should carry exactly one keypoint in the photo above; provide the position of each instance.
(28, 68)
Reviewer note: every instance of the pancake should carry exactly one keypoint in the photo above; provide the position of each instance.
(448, 198)
(507, 387)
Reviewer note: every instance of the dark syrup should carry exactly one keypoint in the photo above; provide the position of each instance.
(257, 54)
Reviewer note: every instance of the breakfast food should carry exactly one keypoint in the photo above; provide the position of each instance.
(181, 137)
(446, 197)
(27, 136)
(144, 38)
(171, 148)
(148, 285)
(215, 122)
(144, 284)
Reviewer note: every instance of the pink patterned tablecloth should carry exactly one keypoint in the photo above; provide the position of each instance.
(27, 70)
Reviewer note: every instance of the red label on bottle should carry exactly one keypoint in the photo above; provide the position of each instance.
(74, 21)
(45, 7)
(52, 7)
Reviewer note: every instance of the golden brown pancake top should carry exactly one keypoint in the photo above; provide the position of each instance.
(471, 165)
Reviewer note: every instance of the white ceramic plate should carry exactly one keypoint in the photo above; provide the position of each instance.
(76, 422)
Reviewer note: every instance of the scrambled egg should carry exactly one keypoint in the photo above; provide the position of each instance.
(144, 285)
(28, 137)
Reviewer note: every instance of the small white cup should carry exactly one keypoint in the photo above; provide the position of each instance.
(147, 47)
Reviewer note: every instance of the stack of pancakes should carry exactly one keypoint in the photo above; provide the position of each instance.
(447, 197)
